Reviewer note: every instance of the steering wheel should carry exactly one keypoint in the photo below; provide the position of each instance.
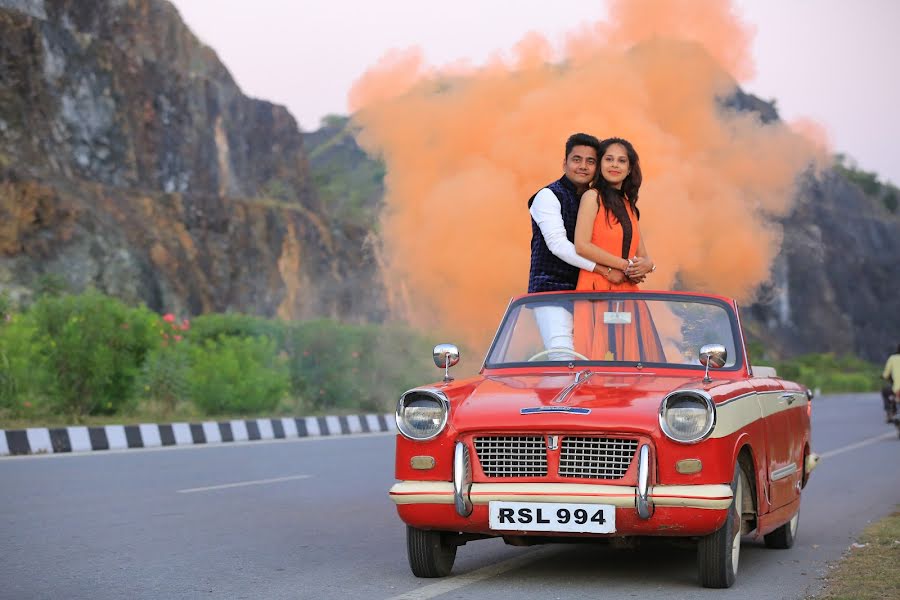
(548, 351)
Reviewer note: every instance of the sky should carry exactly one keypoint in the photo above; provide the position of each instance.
(827, 61)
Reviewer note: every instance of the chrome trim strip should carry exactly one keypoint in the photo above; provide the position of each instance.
(580, 377)
(738, 325)
(641, 500)
(736, 398)
(572, 410)
(783, 472)
(626, 373)
(706, 496)
(790, 397)
(462, 480)
(496, 333)
(422, 492)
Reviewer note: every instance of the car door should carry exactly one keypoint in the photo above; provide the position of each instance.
(781, 467)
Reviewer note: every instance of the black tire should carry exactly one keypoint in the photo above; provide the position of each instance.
(429, 554)
(783, 537)
(719, 552)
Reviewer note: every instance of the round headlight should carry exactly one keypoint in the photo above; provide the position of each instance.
(687, 416)
(422, 414)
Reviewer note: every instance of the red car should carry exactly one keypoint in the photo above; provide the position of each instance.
(605, 415)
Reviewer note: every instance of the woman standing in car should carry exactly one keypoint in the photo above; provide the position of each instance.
(612, 237)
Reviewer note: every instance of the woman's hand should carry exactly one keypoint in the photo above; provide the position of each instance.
(638, 268)
(637, 279)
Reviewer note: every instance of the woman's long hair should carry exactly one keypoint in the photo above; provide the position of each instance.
(613, 199)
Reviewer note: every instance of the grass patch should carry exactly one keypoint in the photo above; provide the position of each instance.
(873, 571)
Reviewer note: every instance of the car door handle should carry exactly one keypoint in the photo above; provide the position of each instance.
(789, 397)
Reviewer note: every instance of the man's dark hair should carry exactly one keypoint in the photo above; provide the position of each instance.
(582, 139)
(898, 348)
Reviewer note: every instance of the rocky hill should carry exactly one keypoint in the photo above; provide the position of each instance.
(837, 282)
(131, 161)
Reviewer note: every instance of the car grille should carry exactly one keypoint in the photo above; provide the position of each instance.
(512, 455)
(596, 458)
(579, 456)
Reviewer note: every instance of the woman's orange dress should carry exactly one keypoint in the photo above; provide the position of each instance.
(637, 341)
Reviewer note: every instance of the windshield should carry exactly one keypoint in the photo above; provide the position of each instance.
(614, 329)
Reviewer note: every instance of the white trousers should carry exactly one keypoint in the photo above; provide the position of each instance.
(555, 325)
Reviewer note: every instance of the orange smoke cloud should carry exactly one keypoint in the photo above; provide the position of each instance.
(465, 148)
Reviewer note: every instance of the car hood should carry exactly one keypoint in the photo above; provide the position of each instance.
(611, 402)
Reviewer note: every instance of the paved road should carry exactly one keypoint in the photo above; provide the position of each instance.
(311, 519)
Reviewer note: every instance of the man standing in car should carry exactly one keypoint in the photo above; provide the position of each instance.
(554, 262)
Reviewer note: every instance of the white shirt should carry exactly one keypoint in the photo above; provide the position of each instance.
(547, 213)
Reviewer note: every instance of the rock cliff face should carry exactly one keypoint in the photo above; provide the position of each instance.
(836, 285)
(131, 161)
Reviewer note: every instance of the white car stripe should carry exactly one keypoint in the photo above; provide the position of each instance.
(737, 413)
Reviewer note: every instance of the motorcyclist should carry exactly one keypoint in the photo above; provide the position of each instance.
(891, 389)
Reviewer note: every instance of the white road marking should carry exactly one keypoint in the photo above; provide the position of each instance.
(451, 583)
(865, 442)
(243, 484)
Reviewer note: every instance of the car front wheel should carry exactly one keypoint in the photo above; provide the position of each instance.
(719, 552)
(429, 553)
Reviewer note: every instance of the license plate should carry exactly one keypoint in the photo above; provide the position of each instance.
(552, 516)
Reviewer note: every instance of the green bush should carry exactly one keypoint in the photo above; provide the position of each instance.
(51, 284)
(5, 307)
(868, 182)
(92, 347)
(830, 373)
(165, 375)
(74, 356)
(237, 375)
(890, 199)
(340, 366)
(20, 368)
(214, 326)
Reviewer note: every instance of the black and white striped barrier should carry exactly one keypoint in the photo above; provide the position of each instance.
(53, 440)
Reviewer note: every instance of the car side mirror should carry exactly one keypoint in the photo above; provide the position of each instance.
(445, 356)
(712, 355)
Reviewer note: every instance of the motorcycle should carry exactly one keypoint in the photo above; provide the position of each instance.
(890, 406)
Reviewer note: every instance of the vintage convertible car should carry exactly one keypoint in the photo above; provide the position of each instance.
(605, 415)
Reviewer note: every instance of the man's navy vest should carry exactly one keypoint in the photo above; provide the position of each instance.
(549, 273)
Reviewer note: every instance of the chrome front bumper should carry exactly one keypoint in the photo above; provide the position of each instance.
(712, 496)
